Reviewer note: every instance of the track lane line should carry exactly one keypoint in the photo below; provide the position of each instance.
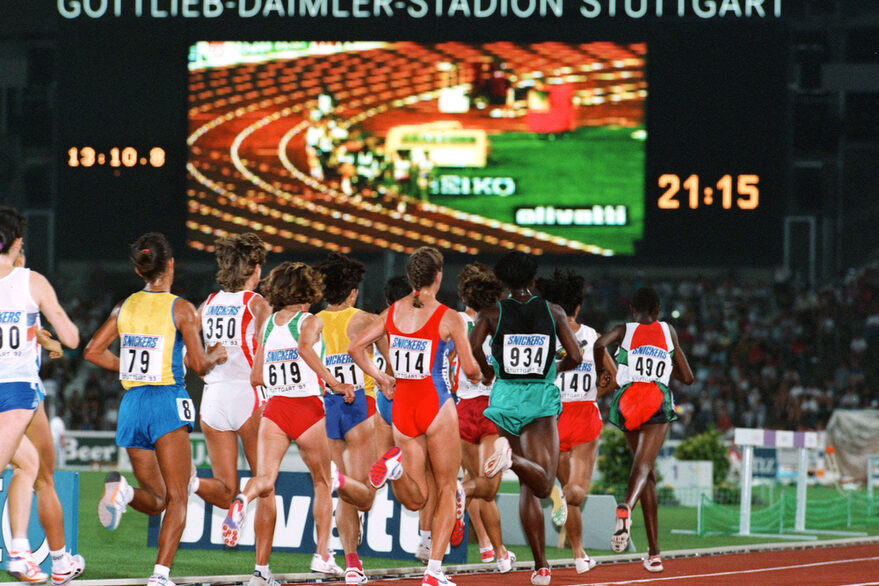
(735, 572)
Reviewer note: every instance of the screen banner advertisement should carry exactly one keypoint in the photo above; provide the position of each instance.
(67, 486)
(389, 530)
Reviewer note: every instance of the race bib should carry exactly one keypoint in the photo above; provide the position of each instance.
(410, 357)
(222, 323)
(13, 333)
(578, 384)
(185, 410)
(649, 363)
(343, 368)
(140, 358)
(526, 353)
(282, 371)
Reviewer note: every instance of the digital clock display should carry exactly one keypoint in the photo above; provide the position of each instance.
(115, 157)
(746, 188)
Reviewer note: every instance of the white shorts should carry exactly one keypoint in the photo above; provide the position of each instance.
(226, 406)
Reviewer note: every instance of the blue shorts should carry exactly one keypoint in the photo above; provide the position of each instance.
(384, 407)
(19, 395)
(149, 412)
(342, 416)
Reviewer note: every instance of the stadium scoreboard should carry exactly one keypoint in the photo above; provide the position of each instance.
(647, 131)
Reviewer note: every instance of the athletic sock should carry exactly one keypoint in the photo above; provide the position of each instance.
(263, 570)
(21, 544)
(352, 560)
(159, 570)
(425, 537)
(435, 566)
(58, 558)
(196, 483)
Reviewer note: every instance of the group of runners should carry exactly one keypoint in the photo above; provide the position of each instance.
(368, 399)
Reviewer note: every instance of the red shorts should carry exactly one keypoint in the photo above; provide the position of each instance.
(294, 415)
(416, 407)
(579, 423)
(473, 424)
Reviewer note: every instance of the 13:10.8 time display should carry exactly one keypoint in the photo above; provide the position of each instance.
(115, 157)
(746, 190)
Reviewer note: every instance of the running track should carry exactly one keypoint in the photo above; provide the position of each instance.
(850, 565)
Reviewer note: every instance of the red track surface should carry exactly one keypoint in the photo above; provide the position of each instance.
(820, 566)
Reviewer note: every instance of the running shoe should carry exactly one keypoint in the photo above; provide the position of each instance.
(388, 467)
(500, 460)
(334, 476)
(653, 563)
(486, 554)
(584, 564)
(117, 494)
(260, 579)
(436, 579)
(193, 480)
(505, 564)
(457, 533)
(619, 541)
(541, 577)
(234, 521)
(355, 576)
(460, 500)
(326, 566)
(156, 580)
(360, 517)
(559, 507)
(23, 567)
(422, 552)
(67, 569)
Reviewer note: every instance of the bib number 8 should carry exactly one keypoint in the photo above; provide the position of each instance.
(185, 410)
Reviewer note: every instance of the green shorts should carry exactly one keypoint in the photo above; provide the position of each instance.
(514, 404)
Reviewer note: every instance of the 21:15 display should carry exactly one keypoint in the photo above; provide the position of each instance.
(745, 187)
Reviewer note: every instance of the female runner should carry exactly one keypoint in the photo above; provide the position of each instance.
(479, 288)
(24, 294)
(421, 333)
(524, 402)
(580, 422)
(288, 363)
(156, 413)
(648, 356)
(230, 405)
(349, 425)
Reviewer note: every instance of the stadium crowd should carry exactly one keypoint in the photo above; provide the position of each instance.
(765, 353)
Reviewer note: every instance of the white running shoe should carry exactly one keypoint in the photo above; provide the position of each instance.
(23, 567)
(541, 577)
(68, 569)
(486, 555)
(156, 580)
(388, 467)
(500, 460)
(234, 520)
(422, 552)
(619, 541)
(117, 494)
(559, 507)
(653, 563)
(193, 480)
(505, 564)
(259, 579)
(334, 477)
(584, 564)
(436, 579)
(328, 566)
(355, 576)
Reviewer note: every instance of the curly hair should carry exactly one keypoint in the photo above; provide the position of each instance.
(564, 288)
(645, 299)
(422, 268)
(516, 269)
(478, 287)
(396, 288)
(292, 283)
(341, 276)
(237, 257)
(150, 255)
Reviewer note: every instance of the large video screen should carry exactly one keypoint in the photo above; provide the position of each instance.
(393, 145)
